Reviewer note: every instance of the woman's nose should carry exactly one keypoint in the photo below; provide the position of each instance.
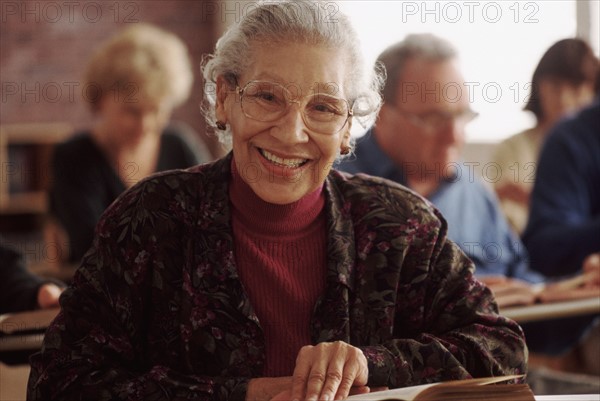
(292, 127)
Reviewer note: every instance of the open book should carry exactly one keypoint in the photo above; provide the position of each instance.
(482, 389)
(510, 292)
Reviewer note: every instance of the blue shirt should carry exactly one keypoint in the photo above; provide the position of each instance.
(564, 220)
(475, 220)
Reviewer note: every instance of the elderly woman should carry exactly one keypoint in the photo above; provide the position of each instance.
(267, 274)
(133, 82)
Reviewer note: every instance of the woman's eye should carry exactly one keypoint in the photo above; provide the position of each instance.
(325, 108)
(266, 96)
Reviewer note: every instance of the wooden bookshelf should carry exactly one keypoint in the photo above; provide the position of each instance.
(26, 152)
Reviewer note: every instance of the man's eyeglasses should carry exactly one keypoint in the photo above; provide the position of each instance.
(432, 122)
(269, 101)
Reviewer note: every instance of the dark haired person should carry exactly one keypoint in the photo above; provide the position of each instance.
(562, 83)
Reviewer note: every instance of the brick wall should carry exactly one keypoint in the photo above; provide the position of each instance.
(44, 46)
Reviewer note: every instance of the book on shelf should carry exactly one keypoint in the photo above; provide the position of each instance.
(480, 389)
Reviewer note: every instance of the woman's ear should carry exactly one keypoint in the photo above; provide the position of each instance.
(345, 132)
(346, 140)
(223, 91)
(345, 147)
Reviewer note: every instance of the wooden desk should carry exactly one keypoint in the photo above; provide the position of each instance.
(23, 333)
(555, 310)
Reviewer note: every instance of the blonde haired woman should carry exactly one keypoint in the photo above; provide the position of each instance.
(133, 83)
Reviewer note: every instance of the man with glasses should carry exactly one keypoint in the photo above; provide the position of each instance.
(417, 141)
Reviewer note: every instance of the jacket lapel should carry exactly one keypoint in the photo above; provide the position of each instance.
(331, 320)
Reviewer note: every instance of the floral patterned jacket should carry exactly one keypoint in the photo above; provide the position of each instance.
(157, 311)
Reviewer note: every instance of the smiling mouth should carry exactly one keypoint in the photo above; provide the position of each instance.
(278, 161)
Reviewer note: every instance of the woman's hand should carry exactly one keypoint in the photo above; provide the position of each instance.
(48, 295)
(328, 371)
(269, 388)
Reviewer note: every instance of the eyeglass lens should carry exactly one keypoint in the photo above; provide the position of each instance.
(269, 101)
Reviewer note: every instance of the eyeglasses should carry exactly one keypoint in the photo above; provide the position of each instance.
(269, 101)
(432, 122)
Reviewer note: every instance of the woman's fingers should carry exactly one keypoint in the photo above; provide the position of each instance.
(355, 374)
(328, 371)
(318, 375)
(355, 390)
(301, 373)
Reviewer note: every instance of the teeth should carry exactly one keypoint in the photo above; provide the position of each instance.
(291, 163)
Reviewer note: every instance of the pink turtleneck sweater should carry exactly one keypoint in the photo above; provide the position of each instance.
(280, 252)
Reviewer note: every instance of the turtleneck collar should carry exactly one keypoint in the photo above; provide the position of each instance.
(269, 219)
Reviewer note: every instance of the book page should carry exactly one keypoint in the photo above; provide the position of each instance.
(410, 393)
(568, 397)
(400, 394)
